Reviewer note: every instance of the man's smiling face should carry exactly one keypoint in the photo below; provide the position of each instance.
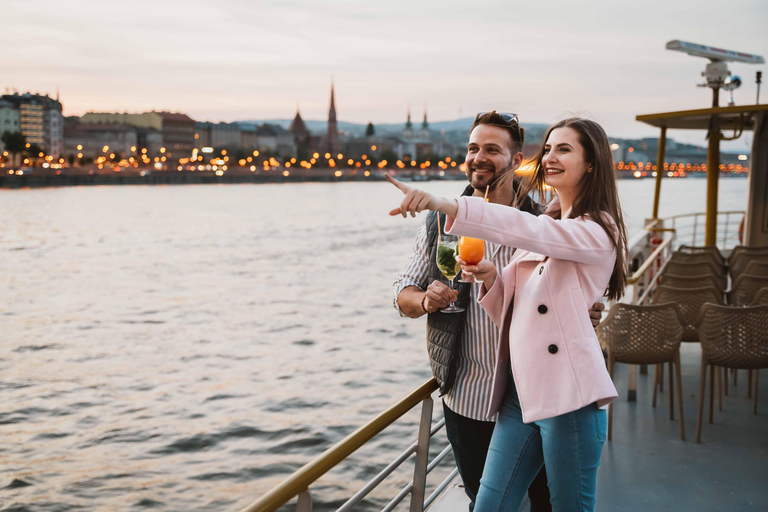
(489, 155)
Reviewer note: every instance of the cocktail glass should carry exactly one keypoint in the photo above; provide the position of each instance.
(446, 262)
(471, 250)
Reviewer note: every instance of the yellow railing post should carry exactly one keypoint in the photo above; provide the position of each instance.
(659, 170)
(713, 174)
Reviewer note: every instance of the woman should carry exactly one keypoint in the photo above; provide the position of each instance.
(552, 409)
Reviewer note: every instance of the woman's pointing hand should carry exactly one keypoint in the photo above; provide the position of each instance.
(417, 200)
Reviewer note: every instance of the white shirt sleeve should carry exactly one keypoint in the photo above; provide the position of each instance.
(416, 270)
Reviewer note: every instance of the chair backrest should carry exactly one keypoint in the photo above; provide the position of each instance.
(740, 263)
(745, 289)
(711, 250)
(740, 249)
(642, 334)
(761, 298)
(691, 281)
(690, 302)
(757, 268)
(696, 269)
(695, 258)
(734, 337)
(685, 268)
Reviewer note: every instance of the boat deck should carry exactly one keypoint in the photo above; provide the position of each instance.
(647, 467)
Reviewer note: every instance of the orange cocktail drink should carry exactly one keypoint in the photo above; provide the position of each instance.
(471, 250)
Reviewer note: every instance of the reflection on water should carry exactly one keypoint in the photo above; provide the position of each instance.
(185, 348)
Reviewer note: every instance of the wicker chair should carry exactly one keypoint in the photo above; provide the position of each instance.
(711, 250)
(745, 289)
(690, 301)
(761, 298)
(742, 249)
(755, 267)
(738, 261)
(691, 281)
(644, 335)
(679, 268)
(695, 258)
(732, 338)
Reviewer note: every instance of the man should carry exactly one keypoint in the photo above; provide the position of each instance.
(462, 346)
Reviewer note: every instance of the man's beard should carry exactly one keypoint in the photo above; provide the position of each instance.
(494, 180)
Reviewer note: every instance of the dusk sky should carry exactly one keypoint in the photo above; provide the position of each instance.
(232, 60)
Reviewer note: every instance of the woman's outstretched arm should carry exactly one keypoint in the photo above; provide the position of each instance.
(416, 201)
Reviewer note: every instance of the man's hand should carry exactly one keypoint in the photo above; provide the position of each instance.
(439, 296)
(596, 313)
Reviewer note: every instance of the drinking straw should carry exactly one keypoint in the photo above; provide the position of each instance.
(439, 238)
(487, 188)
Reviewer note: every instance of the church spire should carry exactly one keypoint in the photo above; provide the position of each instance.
(424, 132)
(408, 132)
(332, 110)
(332, 137)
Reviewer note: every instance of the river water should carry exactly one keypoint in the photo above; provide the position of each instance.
(187, 347)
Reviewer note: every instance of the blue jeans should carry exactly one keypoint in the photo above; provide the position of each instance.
(569, 444)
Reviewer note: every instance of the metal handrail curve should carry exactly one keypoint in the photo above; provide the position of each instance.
(650, 259)
(300, 481)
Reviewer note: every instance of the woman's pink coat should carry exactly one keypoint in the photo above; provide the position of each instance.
(540, 303)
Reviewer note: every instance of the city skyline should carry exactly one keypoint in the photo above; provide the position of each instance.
(234, 61)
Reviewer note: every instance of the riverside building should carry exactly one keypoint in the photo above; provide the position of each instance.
(177, 130)
(40, 119)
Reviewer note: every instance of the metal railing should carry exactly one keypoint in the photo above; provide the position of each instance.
(656, 244)
(727, 239)
(299, 482)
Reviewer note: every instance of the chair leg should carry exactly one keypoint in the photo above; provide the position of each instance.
(735, 376)
(679, 395)
(757, 384)
(711, 392)
(655, 383)
(671, 395)
(661, 378)
(610, 406)
(719, 377)
(749, 383)
(725, 383)
(702, 388)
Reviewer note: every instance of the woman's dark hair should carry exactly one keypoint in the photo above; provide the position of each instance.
(598, 192)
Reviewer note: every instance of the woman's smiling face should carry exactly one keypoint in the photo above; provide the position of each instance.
(563, 161)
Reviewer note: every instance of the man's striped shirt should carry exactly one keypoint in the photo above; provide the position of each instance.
(471, 391)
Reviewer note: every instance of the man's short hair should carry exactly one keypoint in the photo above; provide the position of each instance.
(493, 118)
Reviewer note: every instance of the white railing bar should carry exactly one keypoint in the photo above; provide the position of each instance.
(362, 493)
(441, 488)
(420, 463)
(437, 427)
(651, 285)
(371, 485)
(304, 503)
(397, 499)
(439, 458)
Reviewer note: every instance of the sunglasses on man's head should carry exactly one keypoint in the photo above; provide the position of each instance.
(509, 117)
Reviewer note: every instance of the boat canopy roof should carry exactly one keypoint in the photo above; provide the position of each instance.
(699, 119)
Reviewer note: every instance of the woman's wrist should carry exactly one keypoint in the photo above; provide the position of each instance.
(448, 206)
